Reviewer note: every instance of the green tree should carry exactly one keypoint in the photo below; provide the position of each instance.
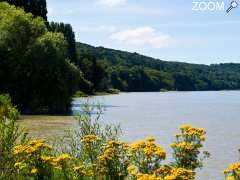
(94, 71)
(36, 7)
(33, 63)
(69, 34)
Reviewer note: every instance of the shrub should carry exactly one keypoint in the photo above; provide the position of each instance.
(10, 135)
(186, 149)
(89, 122)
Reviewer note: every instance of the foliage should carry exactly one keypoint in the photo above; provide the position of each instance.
(79, 94)
(94, 71)
(134, 72)
(68, 33)
(89, 122)
(36, 73)
(10, 135)
(36, 7)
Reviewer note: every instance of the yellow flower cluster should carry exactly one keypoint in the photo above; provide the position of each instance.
(233, 167)
(62, 158)
(132, 169)
(188, 147)
(180, 173)
(80, 170)
(142, 160)
(111, 150)
(163, 170)
(167, 173)
(34, 154)
(191, 131)
(46, 159)
(137, 145)
(231, 178)
(33, 147)
(147, 177)
(88, 139)
(149, 148)
(233, 172)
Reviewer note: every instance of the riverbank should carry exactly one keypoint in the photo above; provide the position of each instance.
(45, 126)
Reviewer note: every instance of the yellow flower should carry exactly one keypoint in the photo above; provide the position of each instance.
(34, 171)
(62, 158)
(19, 165)
(173, 145)
(191, 131)
(170, 177)
(148, 177)
(161, 154)
(132, 169)
(233, 168)
(164, 170)
(90, 139)
(184, 127)
(80, 170)
(31, 150)
(45, 158)
(37, 141)
(184, 146)
(136, 146)
(151, 139)
(19, 149)
(230, 178)
(180, 173)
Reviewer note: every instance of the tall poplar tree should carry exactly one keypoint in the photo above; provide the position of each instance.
(69, 34)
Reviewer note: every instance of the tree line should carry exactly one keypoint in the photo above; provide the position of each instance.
(134, 72)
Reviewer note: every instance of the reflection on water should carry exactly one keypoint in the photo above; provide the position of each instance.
(79, 104)
(159, 115)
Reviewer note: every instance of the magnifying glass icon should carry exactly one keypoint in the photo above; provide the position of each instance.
(233, 5)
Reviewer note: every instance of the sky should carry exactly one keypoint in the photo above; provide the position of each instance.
(194, 31)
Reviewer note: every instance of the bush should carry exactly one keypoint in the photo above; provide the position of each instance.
(10, 135)
(96, 157)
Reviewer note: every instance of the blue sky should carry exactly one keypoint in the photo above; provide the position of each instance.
(169, 30)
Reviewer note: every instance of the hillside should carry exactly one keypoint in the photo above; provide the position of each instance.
(135, 72)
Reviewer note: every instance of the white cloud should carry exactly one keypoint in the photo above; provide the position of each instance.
(143, 36)
(112, 3)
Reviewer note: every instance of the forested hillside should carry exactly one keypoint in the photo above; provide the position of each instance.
(134, 72)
